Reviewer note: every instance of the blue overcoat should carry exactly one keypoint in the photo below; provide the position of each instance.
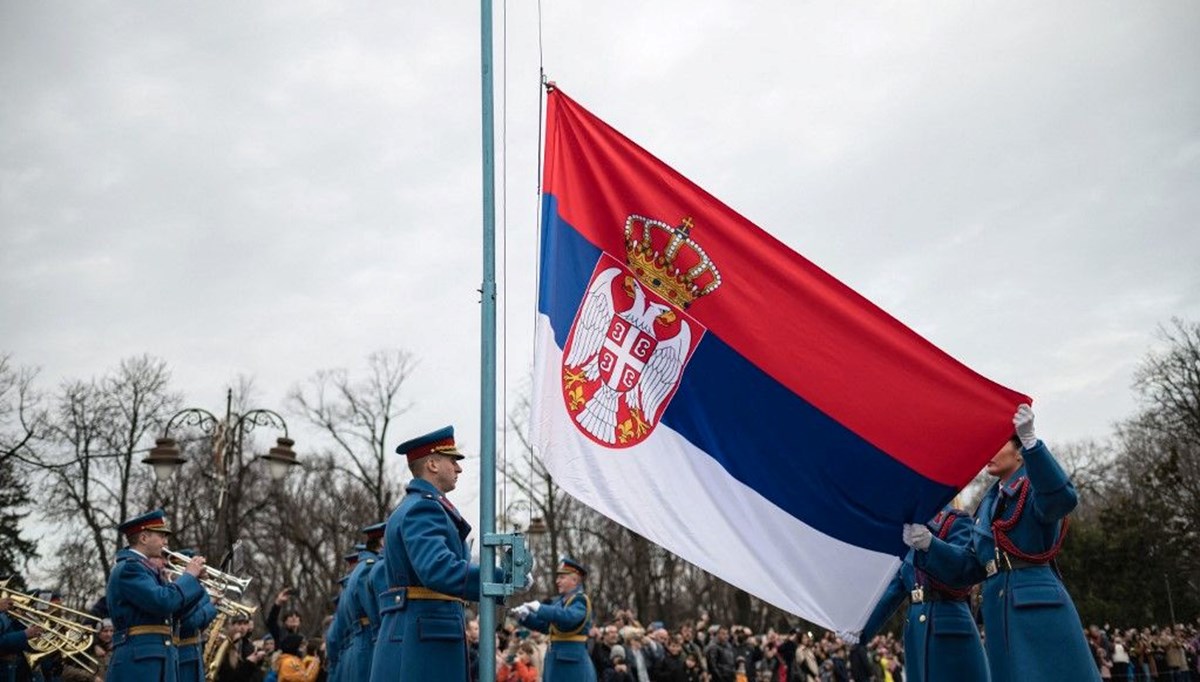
(424, 640)
(567, 620)
(1032, 631)
(941, 642)
(333, 649)
(377, 584)
(12, 641)
(192, 623)
(139, 596)
(358, 631)
(12, 636)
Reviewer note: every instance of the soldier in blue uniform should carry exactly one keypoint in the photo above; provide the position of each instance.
(14, 641)
(141, 603)
(567, 620)
(377, 584)
(1032, 631)
(429, 572)
(337, 636)
(193, 622)
(359, 631)
(333, 636)
(941, 642)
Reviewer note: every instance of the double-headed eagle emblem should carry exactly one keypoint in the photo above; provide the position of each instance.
(631, 340)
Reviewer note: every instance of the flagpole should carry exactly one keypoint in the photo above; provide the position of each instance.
(487, 411)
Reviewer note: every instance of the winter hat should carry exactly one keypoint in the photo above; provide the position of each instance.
(290, 644)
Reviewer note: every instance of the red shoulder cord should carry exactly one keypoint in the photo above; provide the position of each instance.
(953, 592)
(1001, 526)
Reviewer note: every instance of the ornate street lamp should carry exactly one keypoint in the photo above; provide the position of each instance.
(227, 438)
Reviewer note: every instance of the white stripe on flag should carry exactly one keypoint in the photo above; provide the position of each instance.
(676, 496)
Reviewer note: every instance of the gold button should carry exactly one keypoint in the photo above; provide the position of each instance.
(922, 618)
(167, 642)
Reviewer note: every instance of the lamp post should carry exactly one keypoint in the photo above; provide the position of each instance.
(227, 435)
(537, 526)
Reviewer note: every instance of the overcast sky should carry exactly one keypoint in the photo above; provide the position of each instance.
(272, 189)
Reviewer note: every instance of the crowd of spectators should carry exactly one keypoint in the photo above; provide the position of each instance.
(623, 650)
(1169, 653)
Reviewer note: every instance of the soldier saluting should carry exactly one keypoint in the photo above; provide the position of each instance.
(141, 603)
(567, 621)
(429, 571)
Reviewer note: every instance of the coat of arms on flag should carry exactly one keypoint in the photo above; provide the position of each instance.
(631, 338)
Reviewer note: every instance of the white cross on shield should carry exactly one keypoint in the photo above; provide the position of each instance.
(624, 354)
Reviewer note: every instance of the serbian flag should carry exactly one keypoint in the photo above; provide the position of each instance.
(707, 387)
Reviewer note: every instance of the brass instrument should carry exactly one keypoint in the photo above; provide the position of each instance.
(216, 583)
(224, 604)
(220, 581)
(61, 634)
(216, 645)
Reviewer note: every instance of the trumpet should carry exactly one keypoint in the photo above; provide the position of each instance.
(216, 592)
(216, 580)
(60, 634)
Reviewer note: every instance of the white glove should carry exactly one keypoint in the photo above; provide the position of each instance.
(532, 606)
(520, 612)
(848, 637)
(1023, 423)
(917, 536)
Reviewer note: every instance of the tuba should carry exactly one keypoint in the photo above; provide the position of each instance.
(60, 634)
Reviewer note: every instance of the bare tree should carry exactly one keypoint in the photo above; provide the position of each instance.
(357, 414)
(22, 417)
(97, 430)
(22, 422)
(1168, 382)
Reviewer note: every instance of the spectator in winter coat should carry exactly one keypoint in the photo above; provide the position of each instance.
(672, 666)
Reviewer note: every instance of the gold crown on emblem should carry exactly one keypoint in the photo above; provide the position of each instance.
(668, 260)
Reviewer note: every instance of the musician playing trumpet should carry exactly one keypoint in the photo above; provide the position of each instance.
(192, 622)
(141, 603)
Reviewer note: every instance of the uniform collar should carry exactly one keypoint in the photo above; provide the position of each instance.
(420, 485)
(1012, 486)
(131, 553)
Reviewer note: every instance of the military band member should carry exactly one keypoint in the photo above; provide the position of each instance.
(941, 642)
(333, 636)
(14, 641)
(192, 623)
(1031, 627)
(358, 631)
(430, 575)
(376, 582)
(141, 603)
(567, 620)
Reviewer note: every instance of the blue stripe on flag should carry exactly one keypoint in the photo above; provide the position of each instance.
(764, 435)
